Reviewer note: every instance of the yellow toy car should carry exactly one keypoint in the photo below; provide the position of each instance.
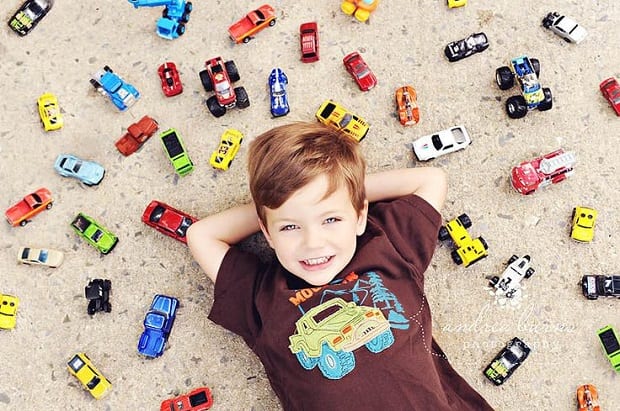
(582, 228)
(8, 311)
(84, 370)
(468, 250)
(361, 9)
(456, 3)
(49, 111)
(339, 118)
(226, 152)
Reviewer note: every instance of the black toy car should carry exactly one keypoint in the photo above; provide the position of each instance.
(29, 15)
(98, 293)
(593, 286)
(507, 361)
(474, 43)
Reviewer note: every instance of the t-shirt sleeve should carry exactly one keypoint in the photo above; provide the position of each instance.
(233, 304)
(411, 224)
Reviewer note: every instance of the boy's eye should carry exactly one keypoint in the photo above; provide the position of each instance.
(288, 227)
(331, 220)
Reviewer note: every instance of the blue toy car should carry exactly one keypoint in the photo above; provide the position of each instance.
(277, 91)
(122, 94)
(88, 172)
(157, 325)
(176, 13)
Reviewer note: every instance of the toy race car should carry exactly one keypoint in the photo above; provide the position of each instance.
(136, 135)
(594, 286)
(564, 27)
(583, 221)
(177, 154)
(199, 399)
(97, 292)
(91, 378)
(49, 112)
(359, 70)
(29, 15)
(158, 323)
(277, 92)
(309, 42)
(507, 361)
(360, 9)
(611, 345)
(441, 143)
(230, 141)
(109, 84)
(610, 88)
(94, 233)
(253, 22)
(474, 43)
(542, 171)
(86, 171)
(468, 250)
(533, 96)
(339, 118)
(8, 311)
(218, 77)
(29, 206)
(168, 220)
(170, 80)
(510, 281)
(40, 256)
(587, 398)
(407, 106)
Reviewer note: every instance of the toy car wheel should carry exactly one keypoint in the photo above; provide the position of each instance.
(362, 15)
(49, 205)
(23, 222)
(108, 69)
(547, 21)
(443, 233)
(247, 39)
(536, 66)
(512, 259)
(547, 103)
(516, 107)
(272, 23)
(95, 84)
(206, 80)
(504, 78)
(494, 280)
(243, 101)
(229, 163)
(231, 69)
(510, 294)
(530, 272)
(164, 13)
(465, 220)
(181, 29)
(185, 18)
(214, 107)
(108, 308)
(484, 243)
(456, 257)
(189, 7)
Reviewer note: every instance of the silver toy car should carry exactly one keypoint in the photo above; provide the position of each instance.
(564, 27)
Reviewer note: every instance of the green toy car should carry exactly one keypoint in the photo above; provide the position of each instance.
(611, 345)
(97, 235)
(173, 144)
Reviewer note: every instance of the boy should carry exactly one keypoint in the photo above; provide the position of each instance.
(339, 319)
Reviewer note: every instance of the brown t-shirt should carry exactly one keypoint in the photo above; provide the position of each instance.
(362, 342)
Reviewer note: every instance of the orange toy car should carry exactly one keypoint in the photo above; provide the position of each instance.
(29, 206)
(253, 22)
(361, 9)
(407, 106)
(136, 135)
(587, 398)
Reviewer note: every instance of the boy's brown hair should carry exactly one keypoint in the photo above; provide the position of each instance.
(286, 158)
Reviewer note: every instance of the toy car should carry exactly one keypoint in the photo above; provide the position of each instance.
(170, 79)
(277, 92)
(199, 399)
(136, 135)
(219, 77)
(92, 380)
(582, 227)
(94, 233)
(49, 112)
(309, 42)
(176, 14)
(97, 292)
(456, 3)
(29, 206)
(168, 220)
(533, 95)
(609, 340)
(407, 106)
(339, 118)
(444, 142)
(8, 311)
(40, 256)
(549, 169)
(109, 84)
(158, 323)
(587, 398)
(177, 154)
(29, 15)
(474, 43)
(564, 27)
(510, 281)
(230, 141)
(88, 172)
(507, 361)
(593, 286)
(468, 250)
(359, 70)
(611, 91)
(361, 9)
(253, 22)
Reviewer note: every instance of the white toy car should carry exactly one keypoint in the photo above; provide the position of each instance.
(40, 256)
(564, 27)
(444, 142)
(510, 281)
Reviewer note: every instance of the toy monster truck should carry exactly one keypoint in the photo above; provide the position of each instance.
(97, 293)
(533, 96)
(342, 328)
(219, 77)
(468, 250)
(510, 280)
(121, 93)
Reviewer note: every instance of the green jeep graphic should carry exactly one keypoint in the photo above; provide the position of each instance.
(328, 333)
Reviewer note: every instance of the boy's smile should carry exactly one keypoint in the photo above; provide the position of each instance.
(314, 237)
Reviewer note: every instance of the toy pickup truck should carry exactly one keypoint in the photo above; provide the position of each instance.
(136, 135)
(593, 286)
(549, 169)
(253, 22)
(122, 94)
(29, 206)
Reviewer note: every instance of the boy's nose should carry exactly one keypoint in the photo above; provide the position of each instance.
(313, 238)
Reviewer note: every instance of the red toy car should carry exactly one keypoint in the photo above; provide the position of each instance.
(407, 106)
(29, 206)
(253, 22)
(136, 135)
(219, 77)
(611, 91)
(360, 71)
(542, 171)
(168, 220)
(199, 399)
(309, 42)
(170, 80)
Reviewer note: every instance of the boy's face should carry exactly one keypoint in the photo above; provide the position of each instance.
(314, 237)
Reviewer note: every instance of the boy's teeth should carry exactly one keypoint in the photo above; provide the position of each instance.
(315, 261)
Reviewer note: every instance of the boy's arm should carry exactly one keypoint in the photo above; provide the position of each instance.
(210, 238)
(429, 183)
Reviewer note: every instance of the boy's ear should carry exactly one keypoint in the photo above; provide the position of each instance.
(362, 219)
(265, 233)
